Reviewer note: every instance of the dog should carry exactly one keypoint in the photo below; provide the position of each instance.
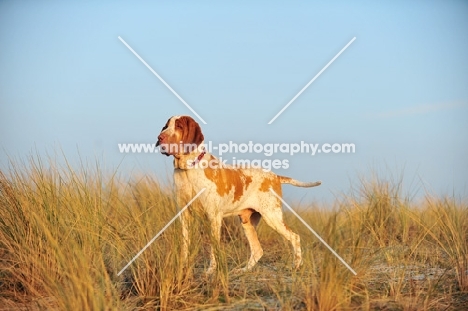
(229, 191)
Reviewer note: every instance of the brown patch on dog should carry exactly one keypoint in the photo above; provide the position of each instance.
(273, 183)
(284, 179)
(190, 130)
(226, 179)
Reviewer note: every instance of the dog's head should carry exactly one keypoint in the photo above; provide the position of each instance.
(180, 135)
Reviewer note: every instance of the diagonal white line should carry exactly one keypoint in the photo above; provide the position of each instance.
(310, 82)
(161, 79)
(315, 233)
(160, 232)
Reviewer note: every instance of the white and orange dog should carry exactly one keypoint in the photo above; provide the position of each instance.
(229, 191)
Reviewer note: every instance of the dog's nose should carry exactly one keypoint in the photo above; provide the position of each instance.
(161, 138)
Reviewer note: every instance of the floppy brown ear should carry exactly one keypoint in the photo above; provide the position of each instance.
(191, 133)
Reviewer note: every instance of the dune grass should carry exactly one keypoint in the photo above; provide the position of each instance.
(65, 234)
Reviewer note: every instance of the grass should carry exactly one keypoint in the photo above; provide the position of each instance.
(65, 234)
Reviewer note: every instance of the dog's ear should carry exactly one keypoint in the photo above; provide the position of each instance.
(191, 131)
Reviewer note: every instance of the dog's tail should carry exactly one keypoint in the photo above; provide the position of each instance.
(297, 183)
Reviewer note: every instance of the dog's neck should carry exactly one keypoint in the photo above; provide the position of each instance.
(190, 160)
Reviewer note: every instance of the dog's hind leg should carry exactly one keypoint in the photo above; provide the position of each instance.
(274, 219)
(250, 219)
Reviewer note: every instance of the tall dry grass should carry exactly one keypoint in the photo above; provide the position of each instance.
(66, 233)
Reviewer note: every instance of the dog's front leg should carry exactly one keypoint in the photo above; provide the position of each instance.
(216, 222)
(185, 220)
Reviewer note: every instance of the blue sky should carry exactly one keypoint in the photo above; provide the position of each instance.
(399, 92)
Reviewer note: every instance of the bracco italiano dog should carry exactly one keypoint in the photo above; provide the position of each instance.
(243, 192)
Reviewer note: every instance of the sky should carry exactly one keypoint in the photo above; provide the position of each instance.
(399, 92)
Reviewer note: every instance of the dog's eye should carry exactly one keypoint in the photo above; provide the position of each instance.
(165, 127)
